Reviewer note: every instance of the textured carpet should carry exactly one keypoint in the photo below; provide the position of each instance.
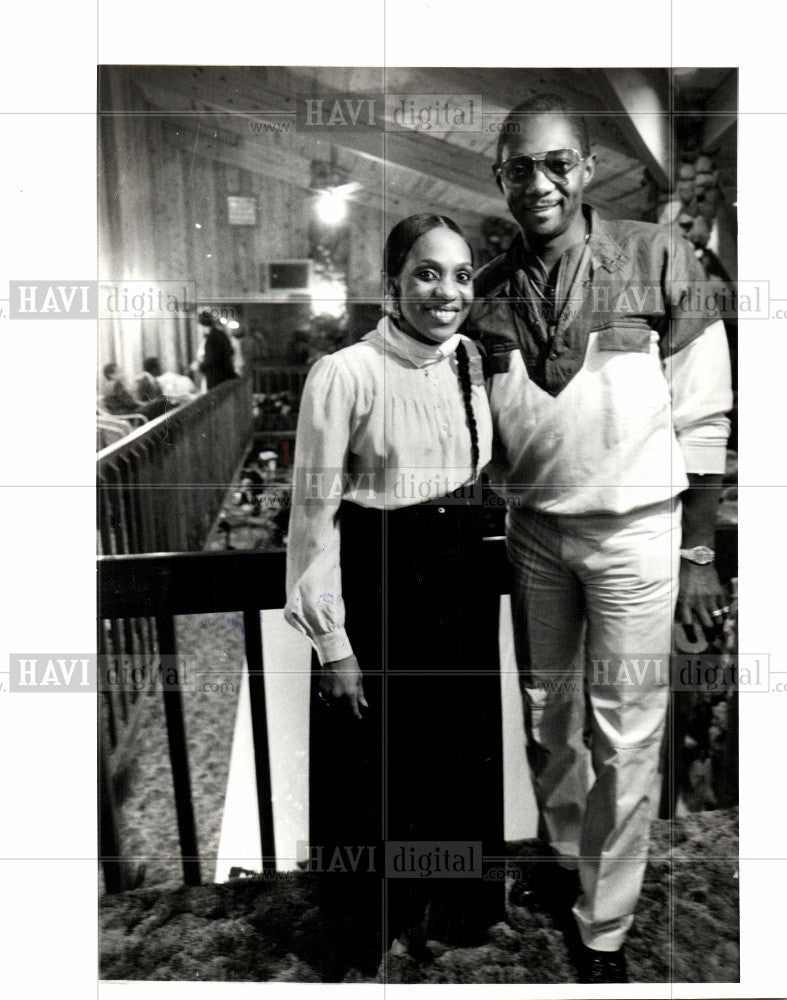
(686, 929)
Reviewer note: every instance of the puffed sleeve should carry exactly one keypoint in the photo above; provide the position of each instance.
(314, 598)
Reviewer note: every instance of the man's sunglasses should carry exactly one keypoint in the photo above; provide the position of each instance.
(556, 164)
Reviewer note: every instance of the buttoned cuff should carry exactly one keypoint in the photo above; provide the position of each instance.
(332, 646)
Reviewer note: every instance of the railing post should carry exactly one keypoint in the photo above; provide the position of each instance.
(259, 726)
(110, 854)
(178, 755)
(119, 872)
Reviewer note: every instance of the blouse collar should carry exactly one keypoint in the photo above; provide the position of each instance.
(419, 355)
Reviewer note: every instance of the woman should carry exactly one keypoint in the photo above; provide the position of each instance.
(384, 576)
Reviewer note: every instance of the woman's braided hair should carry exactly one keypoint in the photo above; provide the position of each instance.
(463, 369)
(400, 242)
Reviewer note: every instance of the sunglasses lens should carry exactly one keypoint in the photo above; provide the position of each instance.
(517, 171)
(561, 161)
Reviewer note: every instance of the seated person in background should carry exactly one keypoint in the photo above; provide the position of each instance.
(148, 386)
(116, 398)
(177, 388)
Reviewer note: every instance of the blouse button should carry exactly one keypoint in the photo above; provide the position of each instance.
(441, 510)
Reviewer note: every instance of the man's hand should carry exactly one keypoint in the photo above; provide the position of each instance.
(700, 594)
(340, 680)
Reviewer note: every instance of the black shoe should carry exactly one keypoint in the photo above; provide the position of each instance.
(551, 886)
(565, 889)
(603, 966)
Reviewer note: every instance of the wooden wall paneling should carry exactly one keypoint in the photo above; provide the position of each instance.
(225, 246)
(364, 272)
(236, 243)
(246, 241)
(173, 255)
(273, 222)
(109, 233)
(197, 209)
(265, 238)
(201, 209)
(297, 211)
(171, 241)
(133, 207)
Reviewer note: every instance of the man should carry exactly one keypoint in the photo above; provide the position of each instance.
(147, 384)
(217, 360)
(609, 396)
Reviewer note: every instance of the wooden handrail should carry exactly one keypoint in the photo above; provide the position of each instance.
(189, 583)
(161, 487)
(133, 588)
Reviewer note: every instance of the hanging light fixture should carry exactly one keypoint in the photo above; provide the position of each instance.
(331, 207)
(332, 190)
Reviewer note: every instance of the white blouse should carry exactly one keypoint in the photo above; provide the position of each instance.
(382, 423)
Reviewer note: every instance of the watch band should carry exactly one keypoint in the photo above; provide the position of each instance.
(700, 555)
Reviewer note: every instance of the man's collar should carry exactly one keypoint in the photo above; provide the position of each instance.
(605, 252)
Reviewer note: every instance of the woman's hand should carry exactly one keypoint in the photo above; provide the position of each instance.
(342, 679)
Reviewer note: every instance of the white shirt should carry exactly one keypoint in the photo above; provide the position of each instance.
(382, 423)
(175, 386)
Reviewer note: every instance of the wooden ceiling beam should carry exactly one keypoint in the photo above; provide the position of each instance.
(414, 150)
(390, 165)
(721, 109)
(643, 117)
(283, 163)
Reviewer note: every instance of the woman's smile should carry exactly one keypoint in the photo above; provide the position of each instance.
(443, 314)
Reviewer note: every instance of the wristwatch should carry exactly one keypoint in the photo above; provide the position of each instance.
(700, 554)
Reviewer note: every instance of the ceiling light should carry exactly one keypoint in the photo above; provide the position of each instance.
(331, 207)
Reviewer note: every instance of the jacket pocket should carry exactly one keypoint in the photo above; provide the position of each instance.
(625, 338)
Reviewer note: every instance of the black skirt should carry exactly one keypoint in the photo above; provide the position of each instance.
(425, 763)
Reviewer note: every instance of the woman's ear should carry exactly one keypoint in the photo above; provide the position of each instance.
(392, 293)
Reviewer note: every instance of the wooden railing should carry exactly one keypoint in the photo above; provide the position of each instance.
(139, 596)
(154, 589)
(271, 379)
(161, 487)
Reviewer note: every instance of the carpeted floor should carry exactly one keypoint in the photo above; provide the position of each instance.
(149, 826)
(686, 928)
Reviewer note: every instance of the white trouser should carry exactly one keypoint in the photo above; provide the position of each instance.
(593, 602)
